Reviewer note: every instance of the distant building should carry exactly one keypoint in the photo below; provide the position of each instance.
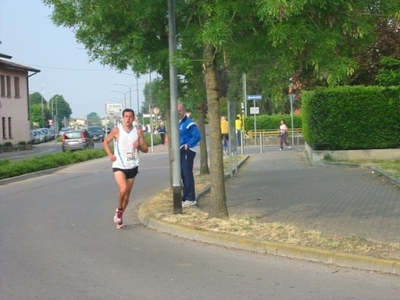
(14, 101)
(77, 123)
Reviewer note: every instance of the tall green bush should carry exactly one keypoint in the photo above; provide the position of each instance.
(356, 117)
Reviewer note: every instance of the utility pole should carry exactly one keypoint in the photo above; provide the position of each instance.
(41, 94)
(174, 141)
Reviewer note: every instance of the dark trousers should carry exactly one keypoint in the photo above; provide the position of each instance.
(283, 140)
(162, 135)
(187, 159)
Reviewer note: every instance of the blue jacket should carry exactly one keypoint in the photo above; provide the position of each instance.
(188, 133)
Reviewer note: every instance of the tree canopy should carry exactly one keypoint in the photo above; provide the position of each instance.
(317, 42)
(93, 119)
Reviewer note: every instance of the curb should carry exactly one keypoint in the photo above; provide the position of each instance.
(271, 248)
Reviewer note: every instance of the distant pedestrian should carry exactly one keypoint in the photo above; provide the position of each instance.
(162, 131)
(238, 127)
(129, 140)
(283, 129)
(189, 137)
(224, 134)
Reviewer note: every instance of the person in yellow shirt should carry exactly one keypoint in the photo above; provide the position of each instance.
(238, 127)
(224, 134)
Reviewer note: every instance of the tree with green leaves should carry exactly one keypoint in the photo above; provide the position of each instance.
(39, 113)
(306, 39)
(314, 41)
(389, 74)
(59, 106)
(93, 119)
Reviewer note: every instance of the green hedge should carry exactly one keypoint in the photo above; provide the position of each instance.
(49, 161)
(348, 118)
(271, 122)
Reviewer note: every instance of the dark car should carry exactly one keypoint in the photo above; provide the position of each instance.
(76, 140)
(97, 133)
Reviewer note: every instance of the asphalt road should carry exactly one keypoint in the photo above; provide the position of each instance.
(58, 241)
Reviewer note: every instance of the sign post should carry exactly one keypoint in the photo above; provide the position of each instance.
(254, 111)
(291, 99)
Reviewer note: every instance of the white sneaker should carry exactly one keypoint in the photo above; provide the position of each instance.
(188, 203)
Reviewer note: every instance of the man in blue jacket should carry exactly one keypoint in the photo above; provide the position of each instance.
(189, 137)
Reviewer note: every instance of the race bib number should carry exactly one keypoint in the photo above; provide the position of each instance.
(131, 157)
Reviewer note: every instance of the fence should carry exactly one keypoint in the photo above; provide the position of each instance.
(271, 137)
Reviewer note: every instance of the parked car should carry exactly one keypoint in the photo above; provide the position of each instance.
(63, 130)
(40, 135)
(52, 134)
(97, 133)
(76, 140)
(34, 137)
(45, 134)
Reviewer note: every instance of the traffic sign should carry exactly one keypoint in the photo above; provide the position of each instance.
(113, 108)
(254, 110)
(254, 97)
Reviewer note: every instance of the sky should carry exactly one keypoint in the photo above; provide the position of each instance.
(29, 36)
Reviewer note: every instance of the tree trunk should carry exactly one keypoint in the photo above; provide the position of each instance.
(201, 114)
(217, 180)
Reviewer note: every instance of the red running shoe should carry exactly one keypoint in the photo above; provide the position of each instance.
(118, 218)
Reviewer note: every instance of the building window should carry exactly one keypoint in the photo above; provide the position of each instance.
(8, 87)
(2, 86)
(16, 87)
(3, 127)
(9, 128)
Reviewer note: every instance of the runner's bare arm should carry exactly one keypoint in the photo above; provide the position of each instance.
(112, 135)
(142, 145)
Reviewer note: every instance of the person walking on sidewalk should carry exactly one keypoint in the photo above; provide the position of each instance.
(189, 137)
(238, 127)
(283, 129)
(224, 134)
(162, 131)
(129, 140)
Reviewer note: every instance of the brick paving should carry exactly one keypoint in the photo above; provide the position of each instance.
(282, 186)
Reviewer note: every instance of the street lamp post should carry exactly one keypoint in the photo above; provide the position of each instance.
(137, 94)
(130, 92)
(124, 96)
(41, 94)
(56, 115)
(137, 98)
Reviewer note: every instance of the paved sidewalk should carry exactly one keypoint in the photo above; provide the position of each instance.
(282, 186)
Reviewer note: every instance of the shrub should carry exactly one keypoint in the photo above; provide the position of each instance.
(346, 118)
(271, 122)
(11, 169)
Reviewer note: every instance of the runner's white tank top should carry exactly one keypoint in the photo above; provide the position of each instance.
(124, 149)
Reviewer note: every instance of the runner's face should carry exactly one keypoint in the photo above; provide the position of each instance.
(128, 118)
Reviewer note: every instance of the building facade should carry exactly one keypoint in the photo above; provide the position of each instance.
(14, 101)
